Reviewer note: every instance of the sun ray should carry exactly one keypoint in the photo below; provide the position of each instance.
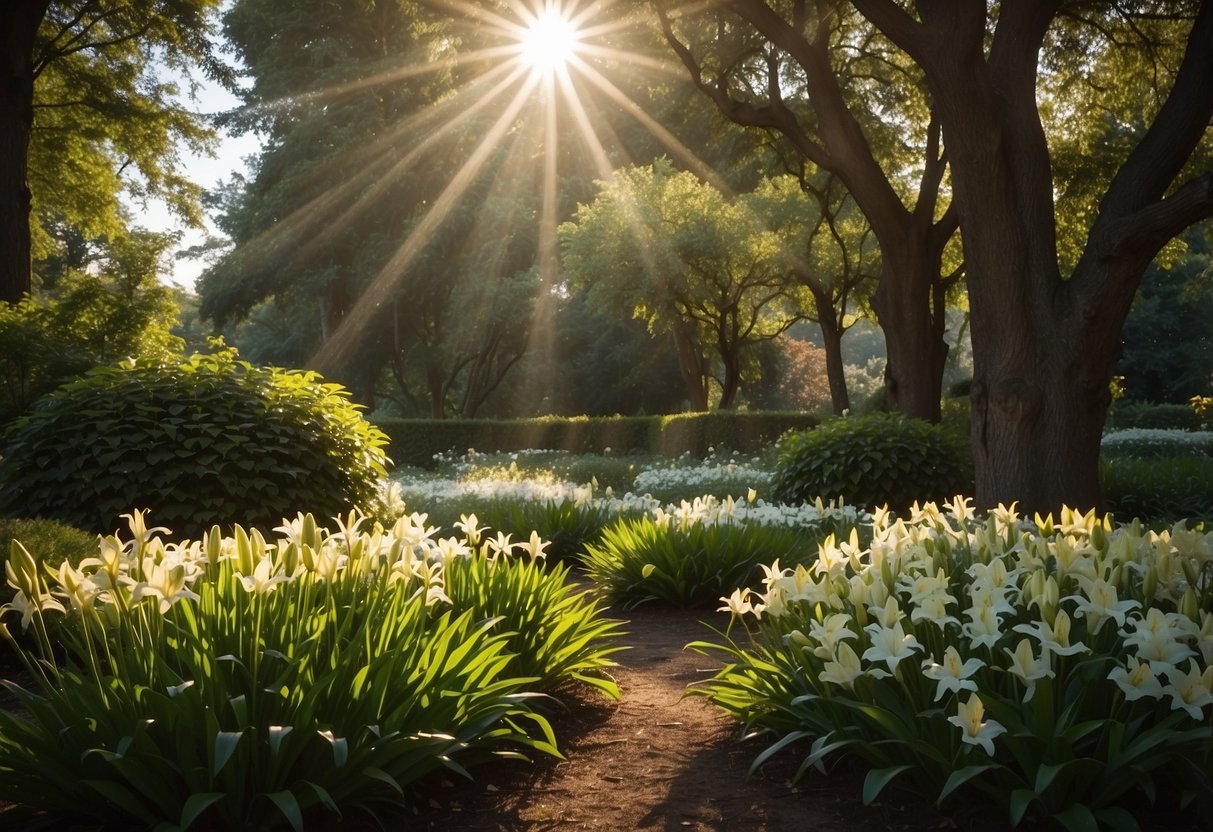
(381, 169)
(345, 339)
(669, 141)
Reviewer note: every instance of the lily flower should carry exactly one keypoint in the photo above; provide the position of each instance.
(1190, 691)
(1027, 668)
(1099, 602)
(983, 627)
(890, 645)
(262, 581)
(953, 674)
(844, 669)
(975, 732)
(1055, 639)
(1136, 679)
(830, 633)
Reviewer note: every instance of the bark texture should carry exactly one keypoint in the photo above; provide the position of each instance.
(19, 20)
(1044, 347)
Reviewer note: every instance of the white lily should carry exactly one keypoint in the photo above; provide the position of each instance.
(1055, 638)
(1027, 668)
(1136, 679)
(952, 674)
(976, 732)
(890, 645)
(1190, 691)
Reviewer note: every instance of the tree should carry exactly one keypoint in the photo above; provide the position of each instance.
(830, 252)
(671, 250)
(1046, 336)
(99, 306)
(844, 101)
(1168, 342)
(83, 107)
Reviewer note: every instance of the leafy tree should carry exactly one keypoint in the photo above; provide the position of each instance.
(844, 101)
(1168, 340)
(1132, 83)
(830, 252)
(104, 305)
(596, 363)
(86, 112)
(674, 252)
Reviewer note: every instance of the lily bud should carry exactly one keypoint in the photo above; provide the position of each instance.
(1188, 605)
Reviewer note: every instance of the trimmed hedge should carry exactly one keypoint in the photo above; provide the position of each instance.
(1127, 415)
(416, 441)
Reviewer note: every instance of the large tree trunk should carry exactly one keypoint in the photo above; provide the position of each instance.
(1044, 348)
(19, 20)
(690, 364)
(909, 305)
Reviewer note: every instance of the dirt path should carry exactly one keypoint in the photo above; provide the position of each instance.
(659, 761)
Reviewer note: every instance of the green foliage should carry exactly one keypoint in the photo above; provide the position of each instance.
(417, 441)
(554, 632)
(97, 306)
(1079, 698)
(698, 554)
(873, 460)
(1158, 489)
(665, 247)
(1133, 414)
(242, 683)
(568, 526)
(56, 541)
(207, 440)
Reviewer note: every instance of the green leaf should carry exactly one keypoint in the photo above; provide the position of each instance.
(1020, 801)
(225, 747)
(961, 776)
(195, 805)
(877, 779)
(289, 806)
(1077, 818)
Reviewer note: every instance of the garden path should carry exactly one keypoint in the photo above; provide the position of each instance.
(658, 761)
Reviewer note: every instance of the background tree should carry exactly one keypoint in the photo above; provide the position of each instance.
(87, 112)
(100, 305)
(842, 99)
(671, 250)
(830, 251)
(1168, 339)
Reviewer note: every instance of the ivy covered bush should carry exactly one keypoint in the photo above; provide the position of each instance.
(873, 460)
(210, 439)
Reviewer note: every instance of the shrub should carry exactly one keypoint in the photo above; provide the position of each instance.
(235, 683)
(688, 556)
(419, 441)
(63, 542)
(208, 440)
(1153, 443)
(1131, 414)
(873, 460)
(1158, 490)
(1057, 668)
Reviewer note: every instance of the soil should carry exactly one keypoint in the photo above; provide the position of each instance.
(658, 760)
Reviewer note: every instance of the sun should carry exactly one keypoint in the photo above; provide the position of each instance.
(549, 42)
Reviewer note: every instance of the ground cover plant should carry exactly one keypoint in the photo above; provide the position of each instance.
(1060, 668)
(686, 555)
(245, 681)
(209, 439)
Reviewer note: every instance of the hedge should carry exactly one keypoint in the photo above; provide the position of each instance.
(1132, 414)
(416, 441)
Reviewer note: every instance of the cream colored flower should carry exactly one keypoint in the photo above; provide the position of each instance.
(890, 645)
(1099, 602)
(1190, 691)
(1027, 668)
(1136, 679)
(1056, 638)
(976, 732)
(844, 669)
(952, 674)
(263, 580)
(830, 633)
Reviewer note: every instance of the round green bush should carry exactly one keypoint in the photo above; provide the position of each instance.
(208, 440)
(873, 460)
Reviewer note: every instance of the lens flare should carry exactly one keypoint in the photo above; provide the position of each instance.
(549, 42)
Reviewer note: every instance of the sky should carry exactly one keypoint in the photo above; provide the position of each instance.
(207, 172)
